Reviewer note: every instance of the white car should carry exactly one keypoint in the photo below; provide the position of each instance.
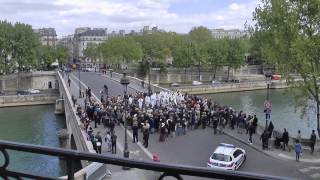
(227, 157)
(196, 83)
(33, 91)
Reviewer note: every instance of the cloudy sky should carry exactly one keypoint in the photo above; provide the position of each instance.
(171, 15)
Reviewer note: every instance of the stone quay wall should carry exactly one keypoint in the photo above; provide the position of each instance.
(41, 80)
(27, 100)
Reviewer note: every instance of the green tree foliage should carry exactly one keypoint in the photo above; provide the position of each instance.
(217, 50)
(25, 46)
(200, 34)
(6, 44)
(289, 36)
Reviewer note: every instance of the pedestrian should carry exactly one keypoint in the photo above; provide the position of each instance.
(264, 138)
(145, 130)
(215, 124)
(69, 81)
(114, 143)
(270, 129)
(313, 139)
(251, 131)
(298, 149)
(108, 141)
(285, 139)
(98, 142)
(135, 129)
(298, 136)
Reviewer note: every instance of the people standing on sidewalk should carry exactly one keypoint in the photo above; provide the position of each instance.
(313, 138)
(135, 129)
(98, 141)
(298, 149)
(145, 130)
(270, 129)
(285, 139)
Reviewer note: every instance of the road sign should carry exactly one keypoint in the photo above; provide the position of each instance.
(267, 105)
(268, 116)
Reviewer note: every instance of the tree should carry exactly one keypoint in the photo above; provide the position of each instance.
(235, 55)
(217, 50)
(289, 32)
(6, 43)
(200, 34)
(25, 46)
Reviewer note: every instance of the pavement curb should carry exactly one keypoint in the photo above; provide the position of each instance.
(286, 158)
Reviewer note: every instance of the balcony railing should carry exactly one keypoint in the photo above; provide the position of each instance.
(71, 156)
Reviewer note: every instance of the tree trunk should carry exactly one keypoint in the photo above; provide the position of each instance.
(215, 72)
(185, 75)
(318, 117)
(228, 74)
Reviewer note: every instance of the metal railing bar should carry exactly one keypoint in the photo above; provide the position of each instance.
(18, 175)
(161, 167)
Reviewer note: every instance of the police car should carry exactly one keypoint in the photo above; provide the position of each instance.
(227, 157)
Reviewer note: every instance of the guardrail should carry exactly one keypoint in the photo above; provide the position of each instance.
(137, 82)
(72, 155)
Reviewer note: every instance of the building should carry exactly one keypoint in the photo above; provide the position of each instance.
(67, 43)
(83, 37)
(47, 36)
(231, 33)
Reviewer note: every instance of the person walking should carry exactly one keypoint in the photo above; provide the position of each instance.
(69, 81)
(145, 129)
(114, 143)
(285, 139)
(313, 139)
(298, 149)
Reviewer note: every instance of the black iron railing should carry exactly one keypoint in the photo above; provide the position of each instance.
(71, 156)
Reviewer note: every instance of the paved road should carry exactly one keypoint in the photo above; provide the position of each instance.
(195, 147)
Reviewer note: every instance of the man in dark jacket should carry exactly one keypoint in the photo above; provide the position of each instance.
(264, 137)
(285, 139)
(313, 139)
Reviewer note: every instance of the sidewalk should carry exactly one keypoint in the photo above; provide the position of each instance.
(306, 156)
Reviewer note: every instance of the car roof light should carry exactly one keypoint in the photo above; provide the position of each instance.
(227, 145)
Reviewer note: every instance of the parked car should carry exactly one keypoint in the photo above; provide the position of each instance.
(175, 85)
(196, 83)
(33, 91)
(216, 83)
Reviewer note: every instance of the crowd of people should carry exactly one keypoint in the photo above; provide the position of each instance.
(167, 113)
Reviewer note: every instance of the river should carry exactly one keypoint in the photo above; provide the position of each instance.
(283, 109)
(34, 125)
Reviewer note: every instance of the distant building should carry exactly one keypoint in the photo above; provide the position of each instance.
(84, 37)
(67, 43)
(231, 33)
(47, 36)
(122, 33)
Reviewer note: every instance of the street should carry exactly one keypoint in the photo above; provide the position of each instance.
(196, 146)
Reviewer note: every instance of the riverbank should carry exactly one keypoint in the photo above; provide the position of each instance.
(29, 100)
(230, 87)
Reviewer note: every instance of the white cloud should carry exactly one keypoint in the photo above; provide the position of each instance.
(66, 15)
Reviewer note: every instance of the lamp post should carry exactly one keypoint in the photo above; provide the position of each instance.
(125, 82)
(149, 69)
(79, 68)
(267, 104)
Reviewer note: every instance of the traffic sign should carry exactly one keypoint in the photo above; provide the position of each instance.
(267, 105)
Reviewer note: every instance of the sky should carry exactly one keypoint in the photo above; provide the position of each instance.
(170, 15)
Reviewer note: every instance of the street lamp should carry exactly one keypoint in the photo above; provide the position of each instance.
(267, 104)
(149, 69)
(79, 69)
(125, 82)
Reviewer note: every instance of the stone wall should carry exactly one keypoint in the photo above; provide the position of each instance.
(35, 80)
(25, 100)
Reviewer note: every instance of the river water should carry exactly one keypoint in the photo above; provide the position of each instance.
(283, 113)
(34, 125)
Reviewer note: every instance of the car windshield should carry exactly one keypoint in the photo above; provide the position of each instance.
(221, 157)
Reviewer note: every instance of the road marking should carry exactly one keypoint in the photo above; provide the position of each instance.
(146, 151)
